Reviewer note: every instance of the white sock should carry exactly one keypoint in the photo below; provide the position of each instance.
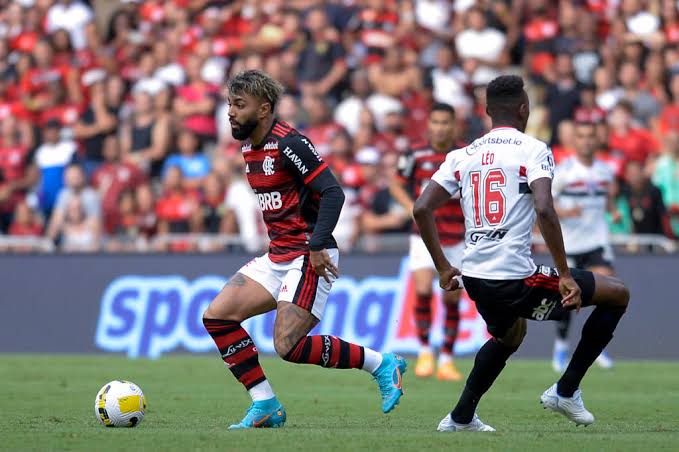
(425, 349)
(261, 391)
(372, 360)
(560, 345)
(445, 358)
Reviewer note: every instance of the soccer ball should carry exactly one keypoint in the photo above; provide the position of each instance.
(120, 403)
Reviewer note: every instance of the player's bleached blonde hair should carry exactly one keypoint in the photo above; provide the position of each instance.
(257, 84)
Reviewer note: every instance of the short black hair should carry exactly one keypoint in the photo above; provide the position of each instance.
(441, 106)
(504, 94)
(258, 84)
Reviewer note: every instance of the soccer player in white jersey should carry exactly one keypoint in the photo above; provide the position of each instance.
(505, 181)
(581, 190)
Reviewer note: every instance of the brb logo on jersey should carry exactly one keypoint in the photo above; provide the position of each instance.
(267, 165)
(270, 201)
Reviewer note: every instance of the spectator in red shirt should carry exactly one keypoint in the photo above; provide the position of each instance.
(35, 82)
(377, 27)
(636, 143)
(669, 117)
(588, 110)
(196, 101)
(177, 206)
(26, 223)
(17, 175)
(112, 178)
(321, 128)
(147, 218)
(393, 138)
(63, 50)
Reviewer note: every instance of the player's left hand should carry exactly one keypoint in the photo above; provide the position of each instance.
(448, 280)
(571, 293)
(322, 263)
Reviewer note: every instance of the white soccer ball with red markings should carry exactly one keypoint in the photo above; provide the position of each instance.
(120, 403)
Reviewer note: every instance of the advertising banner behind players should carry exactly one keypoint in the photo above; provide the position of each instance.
(146, 316)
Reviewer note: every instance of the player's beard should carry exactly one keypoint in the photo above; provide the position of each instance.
(243, 131)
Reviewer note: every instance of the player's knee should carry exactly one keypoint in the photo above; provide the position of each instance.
(621, 293)
(221, 311)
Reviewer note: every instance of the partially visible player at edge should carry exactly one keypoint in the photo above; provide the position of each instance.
(582, 190)
(505, 179)
(301, 202)
(414, 172)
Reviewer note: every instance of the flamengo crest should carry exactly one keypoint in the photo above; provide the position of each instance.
(267, 165)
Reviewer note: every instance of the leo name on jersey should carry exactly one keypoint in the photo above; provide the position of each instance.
(493, 175)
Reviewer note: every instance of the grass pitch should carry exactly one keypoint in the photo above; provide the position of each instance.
(47, 403)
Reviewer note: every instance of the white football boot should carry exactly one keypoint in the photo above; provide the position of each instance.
(571, 407)
(476, 425)
(604, 361)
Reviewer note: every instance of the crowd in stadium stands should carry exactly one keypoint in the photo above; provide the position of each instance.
(114, 116)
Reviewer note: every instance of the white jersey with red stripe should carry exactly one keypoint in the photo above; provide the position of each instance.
(493, 175)
(587, 187)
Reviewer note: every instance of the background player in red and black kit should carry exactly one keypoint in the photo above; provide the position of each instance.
(415, 171)
(301, 202)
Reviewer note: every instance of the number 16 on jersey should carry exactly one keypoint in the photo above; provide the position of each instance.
(487, 191)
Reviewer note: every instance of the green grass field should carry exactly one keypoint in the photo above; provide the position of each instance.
(47, 403)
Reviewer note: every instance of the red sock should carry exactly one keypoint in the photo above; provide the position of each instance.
(423, 317)
(327, 351)
(450, 327)
(237, 349)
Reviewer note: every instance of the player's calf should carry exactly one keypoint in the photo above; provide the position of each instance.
(239, 299)
(610, 298)
(291, 342)
(489, 362)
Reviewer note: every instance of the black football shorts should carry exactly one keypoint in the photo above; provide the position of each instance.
(502, 302)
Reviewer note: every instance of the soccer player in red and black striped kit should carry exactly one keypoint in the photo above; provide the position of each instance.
(414, 172)
(301, 202)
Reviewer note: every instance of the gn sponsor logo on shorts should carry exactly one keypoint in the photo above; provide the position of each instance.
(494, 235)
(542, 312)
(270, 201)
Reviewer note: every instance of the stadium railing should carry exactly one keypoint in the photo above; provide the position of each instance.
(215, 243)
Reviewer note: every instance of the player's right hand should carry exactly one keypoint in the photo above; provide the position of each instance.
(448, 280)
(320, 262)
(571, 293)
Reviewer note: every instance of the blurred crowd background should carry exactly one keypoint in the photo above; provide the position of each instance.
(113, 116)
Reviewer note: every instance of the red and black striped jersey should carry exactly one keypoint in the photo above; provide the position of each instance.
(415, 170)
(279, 171)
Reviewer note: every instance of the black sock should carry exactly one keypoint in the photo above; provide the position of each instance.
(596, 334)
(563, 325)
(489, 362)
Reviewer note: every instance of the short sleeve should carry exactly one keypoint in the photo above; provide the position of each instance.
(447, 175)
(302, 158)
(540, 164)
